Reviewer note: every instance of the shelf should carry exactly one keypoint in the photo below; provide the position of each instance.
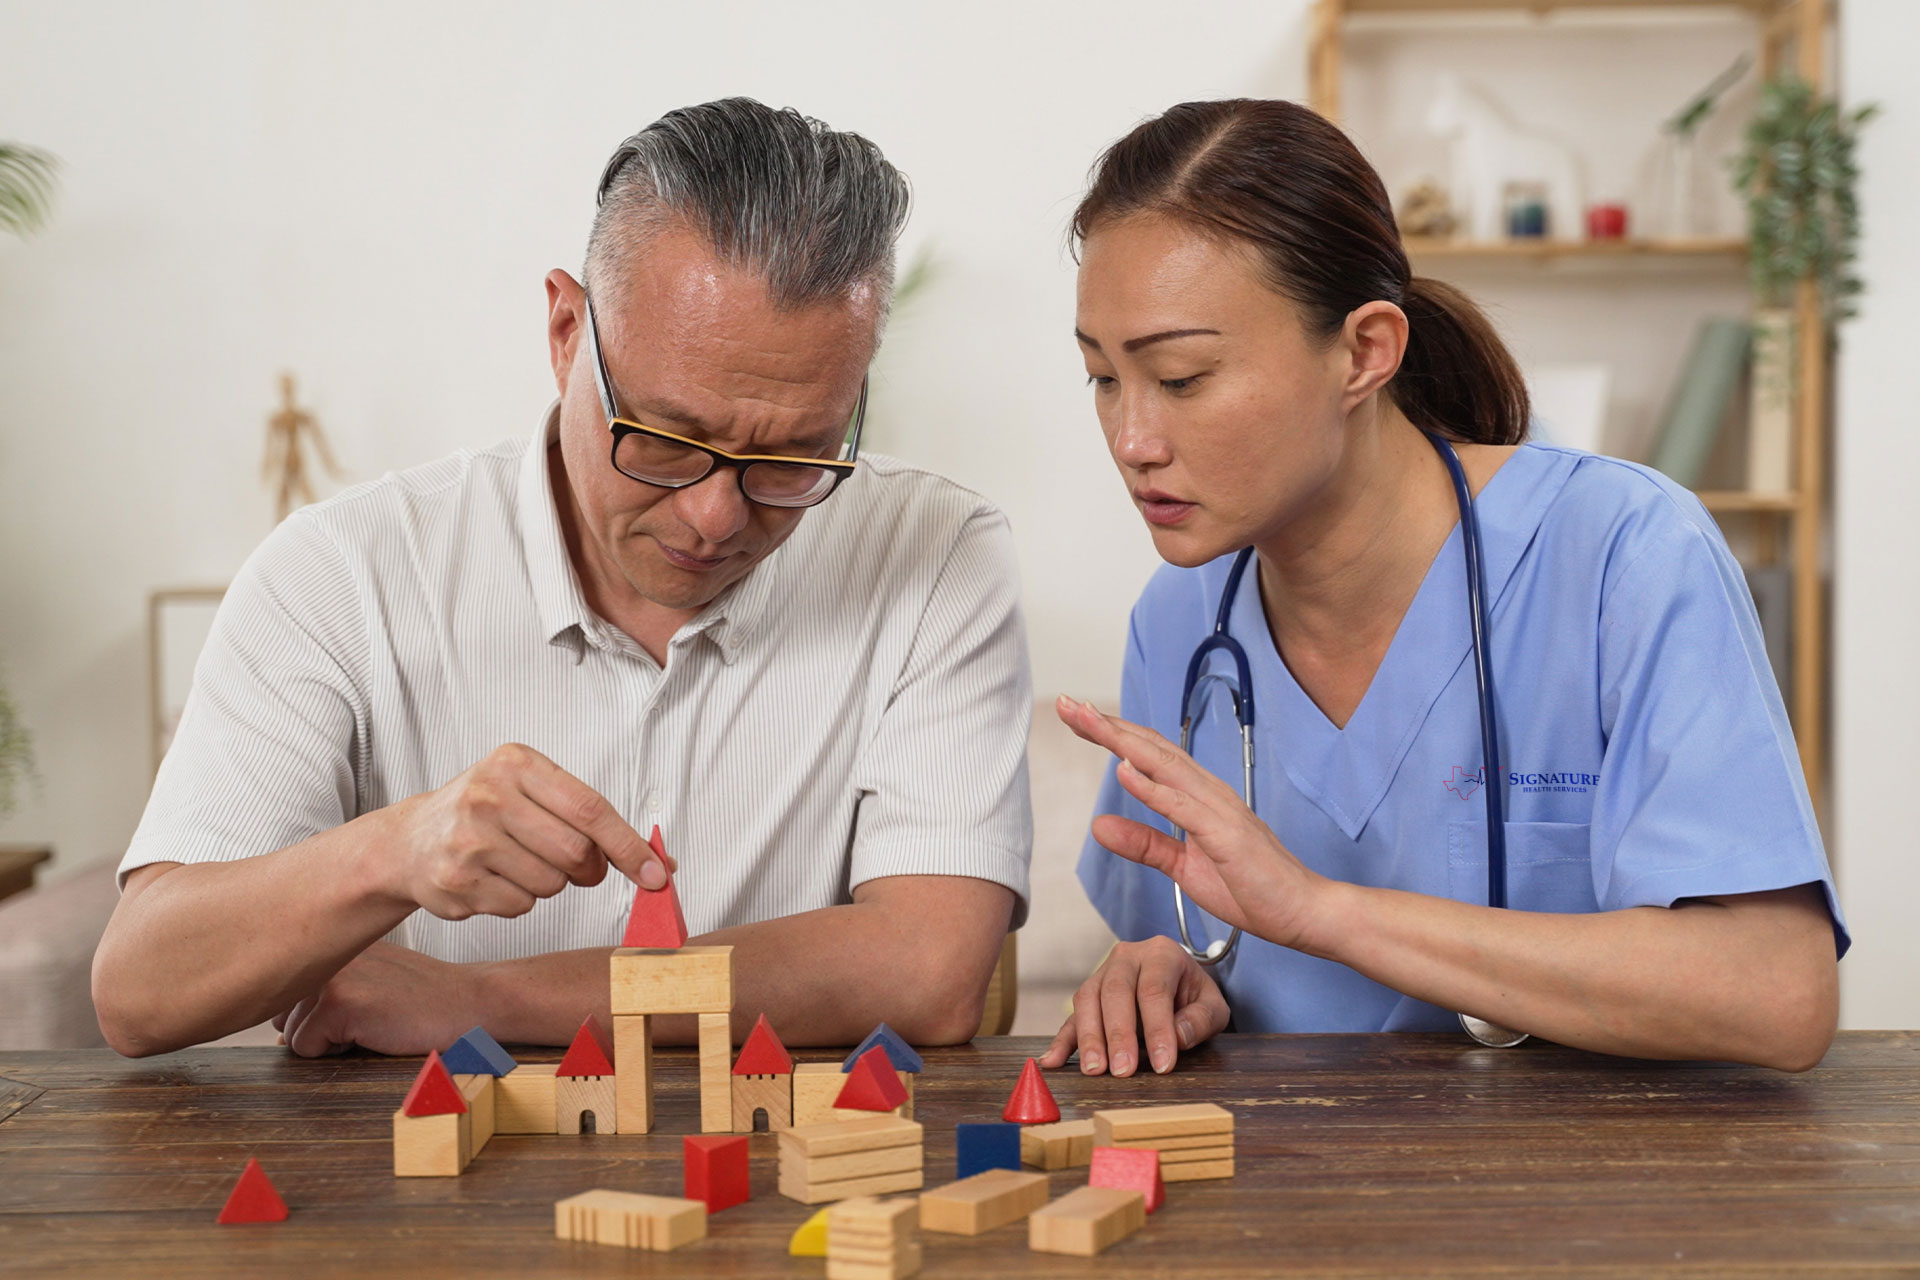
(1430, 247)
(1741, 500)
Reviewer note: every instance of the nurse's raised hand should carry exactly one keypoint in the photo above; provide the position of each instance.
(1150, 995)
(1231, 864)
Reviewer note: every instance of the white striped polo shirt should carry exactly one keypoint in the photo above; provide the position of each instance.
(855, 707)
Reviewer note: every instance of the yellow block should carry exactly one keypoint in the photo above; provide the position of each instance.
(810, 1238)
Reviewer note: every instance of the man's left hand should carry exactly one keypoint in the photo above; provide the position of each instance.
(387, 999)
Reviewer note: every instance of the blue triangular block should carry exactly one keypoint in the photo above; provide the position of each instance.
(478, 1054)
(899, 1052)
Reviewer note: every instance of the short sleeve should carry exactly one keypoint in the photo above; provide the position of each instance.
(264, 754)
(1701, 791)
(944, 775)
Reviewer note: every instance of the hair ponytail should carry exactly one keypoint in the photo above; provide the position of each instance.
(1280, 178)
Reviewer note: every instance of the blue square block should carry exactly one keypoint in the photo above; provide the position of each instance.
(477, 1054)
(980, 1147)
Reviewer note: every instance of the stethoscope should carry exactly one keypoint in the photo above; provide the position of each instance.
(1241, 696)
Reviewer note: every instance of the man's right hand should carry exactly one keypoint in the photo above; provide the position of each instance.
(511, 830)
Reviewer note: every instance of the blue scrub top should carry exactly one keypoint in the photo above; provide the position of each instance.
(1647, 751)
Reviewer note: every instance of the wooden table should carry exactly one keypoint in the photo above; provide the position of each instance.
(1358, 1156)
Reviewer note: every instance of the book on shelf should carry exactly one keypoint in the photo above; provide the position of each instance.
(1770, 403)
(1695, 411)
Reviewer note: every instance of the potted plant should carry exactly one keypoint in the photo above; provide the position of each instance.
(26, 193)
(1797, 174)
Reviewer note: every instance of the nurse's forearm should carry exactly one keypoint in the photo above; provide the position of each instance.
(822, 977)
(1749, 978)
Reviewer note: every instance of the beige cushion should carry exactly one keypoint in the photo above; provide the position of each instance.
(47, 938)
(1064, 937)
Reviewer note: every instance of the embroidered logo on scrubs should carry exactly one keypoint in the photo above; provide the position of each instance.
(1578, 783)
(1465, 781)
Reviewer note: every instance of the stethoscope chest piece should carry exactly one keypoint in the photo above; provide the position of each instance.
(1491, 1034)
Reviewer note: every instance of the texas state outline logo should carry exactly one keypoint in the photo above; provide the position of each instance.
(1465, 781)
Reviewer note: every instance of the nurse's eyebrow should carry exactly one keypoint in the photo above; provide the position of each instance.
(1132, 345)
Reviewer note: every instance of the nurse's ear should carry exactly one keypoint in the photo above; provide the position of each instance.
(1373, 340)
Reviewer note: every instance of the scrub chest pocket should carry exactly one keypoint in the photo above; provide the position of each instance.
(1549, 865)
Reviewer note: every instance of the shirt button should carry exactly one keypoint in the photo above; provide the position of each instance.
(653, 802)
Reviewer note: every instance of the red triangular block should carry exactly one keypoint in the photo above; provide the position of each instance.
(656, 920)
(1031, 1102)
(872, 1085)
(1129, 1169)
(253, 1198)
(587, 1055)
(763, 1054)
(433, 1092)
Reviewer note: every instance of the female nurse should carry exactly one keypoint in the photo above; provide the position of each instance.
(1270, 376)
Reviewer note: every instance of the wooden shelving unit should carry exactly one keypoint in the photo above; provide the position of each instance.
(1788, 33)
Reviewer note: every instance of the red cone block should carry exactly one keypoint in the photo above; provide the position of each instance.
(1031, 1102)
(872, 1085)
(253, 1198)
(1129, 1169)
(433, 1092)
(656, 920)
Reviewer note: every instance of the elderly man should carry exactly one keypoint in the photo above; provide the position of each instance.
(436, 708)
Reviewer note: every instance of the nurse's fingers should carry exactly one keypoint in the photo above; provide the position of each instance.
(1065, 1041)
(1204, 1014)
(1089, 1031)
(1119, 984)
(1162, 975)
(1137, 842)
(1148, 751)
(1170, 802)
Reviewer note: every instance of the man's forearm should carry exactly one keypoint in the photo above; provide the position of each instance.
(200, 950)
(822, 977)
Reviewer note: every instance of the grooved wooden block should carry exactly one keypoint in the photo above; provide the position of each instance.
(523, 1100)
(897, 1264)
(431, 1146)
(478, 1091)
(716, 1073)
(1087, 1221)
(871, 1239)
(1066, 1145)
(574, 1097)
(629, 1220)
(1174, 1146)
(821, 1192)
(633, 1072)
(1132, 1126)
(983, 1202)
(841, 1136)
(684, 980)
(1197, 1170)
(854, 1164)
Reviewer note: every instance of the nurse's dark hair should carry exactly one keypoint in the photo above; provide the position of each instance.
(1282, 180)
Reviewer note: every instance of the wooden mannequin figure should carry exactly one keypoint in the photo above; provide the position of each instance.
(285, 467)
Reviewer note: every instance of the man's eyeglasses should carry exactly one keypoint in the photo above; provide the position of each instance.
(661, 458)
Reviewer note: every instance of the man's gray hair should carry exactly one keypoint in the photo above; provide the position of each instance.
(814, 211)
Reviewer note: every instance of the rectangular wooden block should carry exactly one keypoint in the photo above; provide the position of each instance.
(629, 1220)
(523, 1100)
(716, 1073)
(1197, 1170)
(837, 1137)
(854, 1164)
(896, 1264)
(478, 1091)
(685, 980)
(872, 1238)
(867, 1219)
(1087, 1221)
(633, 1072)
(574, 1097)
(1132, 1125)
(1172, 1147)
(1066, 1145)
(815, 1086)
(431, 1146)
(982, 1203)
(821, 1192)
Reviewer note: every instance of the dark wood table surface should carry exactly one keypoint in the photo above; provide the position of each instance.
(1357, 1155)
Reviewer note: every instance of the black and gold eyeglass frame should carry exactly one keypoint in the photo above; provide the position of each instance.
(670, 461)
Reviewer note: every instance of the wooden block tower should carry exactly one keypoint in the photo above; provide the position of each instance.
(763, 1081)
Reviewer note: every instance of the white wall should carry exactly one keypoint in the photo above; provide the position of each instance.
(368, 194)
(1876, 624)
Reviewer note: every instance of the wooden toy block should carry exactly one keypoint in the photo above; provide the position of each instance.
(1129, 1169)
(1197, 1170)
(815, 1086)
(433, 1092)
(477, 1092)
(585, 1104)
(762, 1081)
(899, 1052)
(838, 1137)
(854, 1164)
(871, 1239)
(1173, 1146)
(588, 1055)
(630, 1220)
(633, 1073)
(716, 1081)
(714, 1170)
(982, 1203)
(895, 1264)
(809, 1239)
(1131, 1125)
(477, 1053)
(687, 980)
(523, 1100)
(656, 920)
(1087, 1221)
(436, 1146)
(1031, 1101)
(1066, 1145)
(822, 1192)
(832, 1161)
(980, 1147)
(252, 1199)
(872, 1085)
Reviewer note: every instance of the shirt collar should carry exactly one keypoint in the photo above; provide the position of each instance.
(729, 622)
